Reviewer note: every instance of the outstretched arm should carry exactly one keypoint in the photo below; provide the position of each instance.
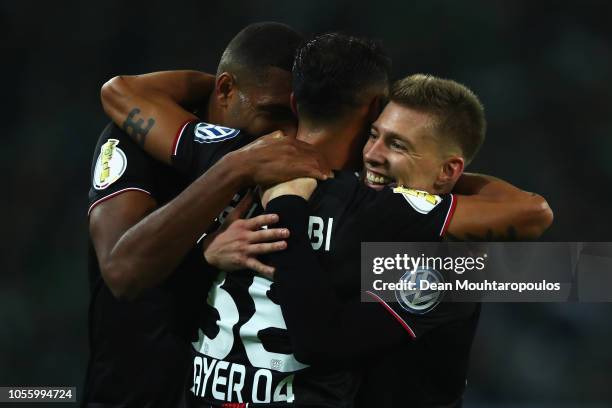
(145, 254)
(321, 325)
(121, 195)
(490, 209)
(148, 107)
(151, 107)
(148, 246)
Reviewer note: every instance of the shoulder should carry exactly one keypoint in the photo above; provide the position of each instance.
(199, 145)
(120, 165)
(342, 182)
(211, 135)
(421, 201)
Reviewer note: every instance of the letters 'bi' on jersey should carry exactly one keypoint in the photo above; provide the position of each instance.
(243, 352)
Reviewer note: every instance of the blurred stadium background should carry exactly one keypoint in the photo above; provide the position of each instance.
(543, 69)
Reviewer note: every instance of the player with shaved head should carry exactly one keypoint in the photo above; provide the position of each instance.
(139, 350)
(246, 351)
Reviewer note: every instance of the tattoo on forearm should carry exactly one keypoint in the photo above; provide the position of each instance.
(510, 235)
(138, 131)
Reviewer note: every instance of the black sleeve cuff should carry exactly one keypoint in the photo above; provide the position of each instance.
(292, 212)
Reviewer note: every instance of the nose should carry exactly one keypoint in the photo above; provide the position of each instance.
(373, 152)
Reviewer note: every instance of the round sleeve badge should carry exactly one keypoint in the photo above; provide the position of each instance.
(420, 300)
(421, 201)
(110, 166)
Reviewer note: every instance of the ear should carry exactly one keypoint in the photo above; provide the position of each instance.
(293, 104)
(225, 85)
(451, 170)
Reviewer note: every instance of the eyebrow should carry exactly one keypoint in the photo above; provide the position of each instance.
(400, 138)
(394, 135)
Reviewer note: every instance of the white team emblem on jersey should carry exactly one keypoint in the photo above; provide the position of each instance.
(111, 165)
(208, 133)
(421, 201)
(417, 300)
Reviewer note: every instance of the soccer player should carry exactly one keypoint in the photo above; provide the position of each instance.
(413, 156)
(139, 351)
(424, 137)
(248, 379)
(243, 352)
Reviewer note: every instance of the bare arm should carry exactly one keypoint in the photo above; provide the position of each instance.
(486, 186)
(132, 252)
(108, 222)
(150, 250)
(152, 107)
(139, 246)
(141, 253)
(491, 209)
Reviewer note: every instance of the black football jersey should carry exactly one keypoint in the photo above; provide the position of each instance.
(428, 373)
(244, 352)
(139, 349)
(327, 323)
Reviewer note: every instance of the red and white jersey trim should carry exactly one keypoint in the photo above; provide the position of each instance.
(393, 313)
(116, 193)
(179, 135)
(449, 214)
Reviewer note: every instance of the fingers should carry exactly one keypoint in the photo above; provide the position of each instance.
(299, 167)
(325, 167)
(255, 223)
(267, 235)
(241, 209)
(306, 169)
(266, 247)
(317, 173)
(258, 267)
(282, 158)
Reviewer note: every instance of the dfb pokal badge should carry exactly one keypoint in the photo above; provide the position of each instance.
(420, 293)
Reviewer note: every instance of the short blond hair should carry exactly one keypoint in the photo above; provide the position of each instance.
(459, 115)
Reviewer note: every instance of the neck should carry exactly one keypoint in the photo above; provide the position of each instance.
(340, 142)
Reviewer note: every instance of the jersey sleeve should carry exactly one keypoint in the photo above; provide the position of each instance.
(402, 214)
(417, 319)
(321, 325)
(199, 145)
(119, 165)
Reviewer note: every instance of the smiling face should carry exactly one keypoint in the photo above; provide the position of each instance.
(403, 148)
